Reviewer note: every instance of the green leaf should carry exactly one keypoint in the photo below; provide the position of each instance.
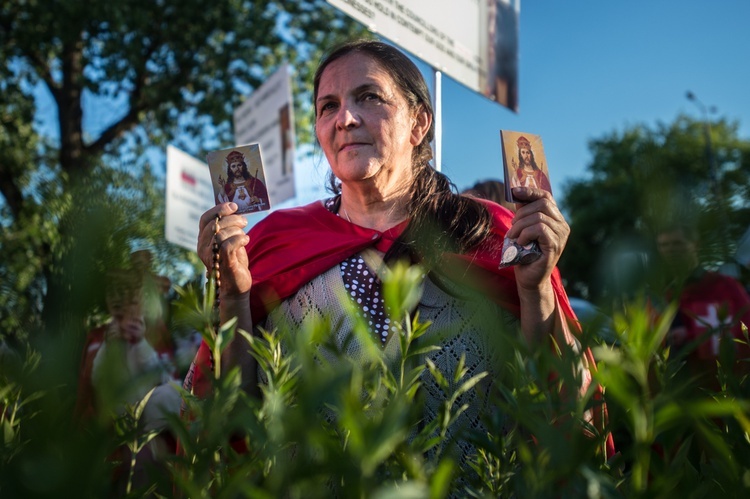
(439, 378)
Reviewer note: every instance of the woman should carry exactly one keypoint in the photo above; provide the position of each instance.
(374, 122)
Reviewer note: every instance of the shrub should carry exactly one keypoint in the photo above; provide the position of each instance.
(355, 429)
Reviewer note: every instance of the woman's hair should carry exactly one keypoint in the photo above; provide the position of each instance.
(440, 219)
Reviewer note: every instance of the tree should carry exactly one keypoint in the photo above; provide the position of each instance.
(646, 176)
(166, 71)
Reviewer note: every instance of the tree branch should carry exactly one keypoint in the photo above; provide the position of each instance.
(42, 69)
(114, 130)
(70, 112)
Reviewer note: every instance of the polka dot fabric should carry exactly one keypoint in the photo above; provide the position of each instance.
(363, 287)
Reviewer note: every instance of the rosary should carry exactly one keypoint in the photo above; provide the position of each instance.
(214, 274)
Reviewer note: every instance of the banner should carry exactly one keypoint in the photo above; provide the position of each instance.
(474, 42)
(267, 118)
(189, 195)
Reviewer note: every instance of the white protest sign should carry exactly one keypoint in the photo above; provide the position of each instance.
(474, 42)
(267, 118)
(189, 195)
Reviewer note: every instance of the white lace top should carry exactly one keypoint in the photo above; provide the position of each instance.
(459, 326)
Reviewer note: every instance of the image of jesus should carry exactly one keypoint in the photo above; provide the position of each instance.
(242, 188)
(528, 174)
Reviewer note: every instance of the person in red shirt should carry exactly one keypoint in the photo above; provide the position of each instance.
(712, 306)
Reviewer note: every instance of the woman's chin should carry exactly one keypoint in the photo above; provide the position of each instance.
(356, 172)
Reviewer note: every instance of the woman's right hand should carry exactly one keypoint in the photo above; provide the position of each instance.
(235, 275)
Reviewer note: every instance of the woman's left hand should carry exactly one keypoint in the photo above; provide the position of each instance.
(538, 219)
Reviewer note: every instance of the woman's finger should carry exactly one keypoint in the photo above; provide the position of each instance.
(537, 200)
(230, 239)
(529, 194)
(223, 210)
(552, 219)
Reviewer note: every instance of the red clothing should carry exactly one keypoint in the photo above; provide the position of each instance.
(86, 397)
(290, 247)
(710, 302)
(85, 402)
(537, 177)
(254, 186)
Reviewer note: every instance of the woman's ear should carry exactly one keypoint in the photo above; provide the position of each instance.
(422, 122)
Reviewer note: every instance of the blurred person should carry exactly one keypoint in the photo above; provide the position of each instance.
(155, 290)
(712, 306)
(120, 367)
(127, 362)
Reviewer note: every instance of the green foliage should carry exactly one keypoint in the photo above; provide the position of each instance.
(26, 228)
(15, 401)
(329, 425)
(129, 430)
(682, 437)
(642, 177)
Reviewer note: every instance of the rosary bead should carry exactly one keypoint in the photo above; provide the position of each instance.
(217, 276)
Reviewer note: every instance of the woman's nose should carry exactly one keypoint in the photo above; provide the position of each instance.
(347, 118)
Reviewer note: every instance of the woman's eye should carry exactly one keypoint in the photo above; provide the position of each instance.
(327, 106)
(370, 97)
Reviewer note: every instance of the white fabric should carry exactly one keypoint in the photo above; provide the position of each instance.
(135, 368)
(458, 326)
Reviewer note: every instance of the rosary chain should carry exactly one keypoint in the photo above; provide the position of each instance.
(215, 274)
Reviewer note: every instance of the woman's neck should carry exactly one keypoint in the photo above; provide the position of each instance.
(374, 210)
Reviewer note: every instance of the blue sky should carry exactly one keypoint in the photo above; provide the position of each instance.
(589, 68)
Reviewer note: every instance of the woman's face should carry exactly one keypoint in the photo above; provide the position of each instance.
(364, 124)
